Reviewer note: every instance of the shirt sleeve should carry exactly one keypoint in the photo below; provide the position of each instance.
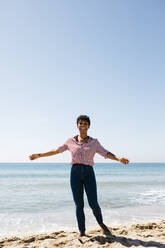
(101, 150)
(63, 147)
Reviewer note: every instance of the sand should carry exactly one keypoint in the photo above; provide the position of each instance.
(137, 235)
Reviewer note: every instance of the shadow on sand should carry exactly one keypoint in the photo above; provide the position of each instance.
(125, 242)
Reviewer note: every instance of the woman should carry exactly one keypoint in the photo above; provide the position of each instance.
(83, 149)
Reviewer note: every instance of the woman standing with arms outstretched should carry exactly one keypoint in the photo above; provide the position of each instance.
(83, 149)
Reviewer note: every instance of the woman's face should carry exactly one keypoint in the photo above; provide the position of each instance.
(83, 126)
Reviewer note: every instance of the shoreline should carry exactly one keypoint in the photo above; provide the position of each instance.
(151, 234)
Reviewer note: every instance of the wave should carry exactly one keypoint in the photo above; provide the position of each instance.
(152, 196)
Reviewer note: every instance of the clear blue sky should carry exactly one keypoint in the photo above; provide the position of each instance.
(60, 59)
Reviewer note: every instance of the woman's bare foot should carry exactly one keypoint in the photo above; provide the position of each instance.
(82, 234)
(105, 229)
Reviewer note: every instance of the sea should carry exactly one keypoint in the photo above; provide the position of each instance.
(36, 197)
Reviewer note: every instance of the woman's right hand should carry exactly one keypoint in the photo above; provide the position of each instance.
(34, 156)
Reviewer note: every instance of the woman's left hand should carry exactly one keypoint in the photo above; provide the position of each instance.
(124, 160)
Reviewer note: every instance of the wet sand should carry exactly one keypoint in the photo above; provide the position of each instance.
(137, 235)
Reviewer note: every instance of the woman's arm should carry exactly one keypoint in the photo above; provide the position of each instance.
(113, 157)
(47, 154)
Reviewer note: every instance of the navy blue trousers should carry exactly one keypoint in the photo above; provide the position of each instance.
(83, 177)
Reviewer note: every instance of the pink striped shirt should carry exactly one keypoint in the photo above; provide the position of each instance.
(83, 154)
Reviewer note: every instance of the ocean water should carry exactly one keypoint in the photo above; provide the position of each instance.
(37, 197)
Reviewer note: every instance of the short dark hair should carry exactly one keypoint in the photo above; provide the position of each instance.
(84, 118)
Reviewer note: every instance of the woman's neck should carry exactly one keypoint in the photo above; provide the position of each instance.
(83, 135)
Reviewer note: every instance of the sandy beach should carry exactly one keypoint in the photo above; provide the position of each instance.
(137, 235)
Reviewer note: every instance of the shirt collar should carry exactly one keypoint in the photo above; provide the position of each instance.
(75, 138)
